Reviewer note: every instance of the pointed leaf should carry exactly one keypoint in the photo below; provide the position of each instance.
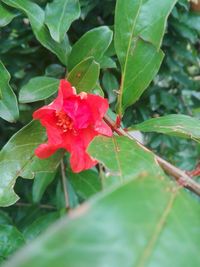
(139, 29)
(85, 75)
(94, 43)
(38, 88)
(59, 16)
(6, 15)
(176, 125)
(36, 17)
(8, 102)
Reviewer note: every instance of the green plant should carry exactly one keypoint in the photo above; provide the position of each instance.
(134, 208)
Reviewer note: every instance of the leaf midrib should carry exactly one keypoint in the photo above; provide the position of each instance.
(147, 252)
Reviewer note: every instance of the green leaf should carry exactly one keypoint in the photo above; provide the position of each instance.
(139, 29)
(40, 184)
(145, 222)
(10, 240)
(124, 159)
(6, 16)
(94, 43)
(86, 183)
(59, 16)
(8, 102)
(176, 125)
(39, 225)
(38, 88)
(85, 75)
(17, 159)
(36, 17)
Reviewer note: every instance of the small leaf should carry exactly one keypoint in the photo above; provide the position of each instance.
(59, 16)
(36, 17)
(17, 159)
(6, 16)
(124, 159)
(94, 43)
(8, 102)
(176, 125)
(145, 222)
(85, 75)
(38, 88)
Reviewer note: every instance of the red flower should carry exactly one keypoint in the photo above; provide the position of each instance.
(71, 122)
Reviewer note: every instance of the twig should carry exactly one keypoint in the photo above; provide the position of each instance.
(43, 206)
(64, 182)
(180, 176)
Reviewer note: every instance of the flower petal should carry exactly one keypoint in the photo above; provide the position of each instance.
(45, 150)
(80, 160)
(98, 106)
(102, 128)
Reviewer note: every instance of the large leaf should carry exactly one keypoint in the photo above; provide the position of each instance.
(6, 15)
(139, 29)
(36, 17)
(59, 16)
(124, 159)
(8, 102)
(17, 159)
(177, 125)
(85, 75)
(94, 43)
(146, 222)
(38, 88)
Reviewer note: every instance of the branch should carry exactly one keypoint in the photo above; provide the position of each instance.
(180, 176)
(64, 180)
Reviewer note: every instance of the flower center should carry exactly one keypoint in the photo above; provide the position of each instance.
(64, 121)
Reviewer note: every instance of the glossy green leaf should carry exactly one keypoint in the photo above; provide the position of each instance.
(38, 88)
(59, 16)
(86, 183)
(85, 75)
(17, 159)
(39, 225)
(10, 240)
(6, 15)
(177, 125)
(94, 43)
(139, 29)
(40, 184)
(8, 102)
(36, 17)
(124, 159)
(145, 222)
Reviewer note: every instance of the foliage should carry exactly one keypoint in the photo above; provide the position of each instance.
(126, 210)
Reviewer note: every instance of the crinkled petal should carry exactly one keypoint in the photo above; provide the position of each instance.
(65, 91)
(79, 111)
(80, 161)
(102, 128)
(44, 151)
(98, 106)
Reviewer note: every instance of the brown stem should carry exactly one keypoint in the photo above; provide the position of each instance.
(43, 206)
(180, 176)
(64, 182)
